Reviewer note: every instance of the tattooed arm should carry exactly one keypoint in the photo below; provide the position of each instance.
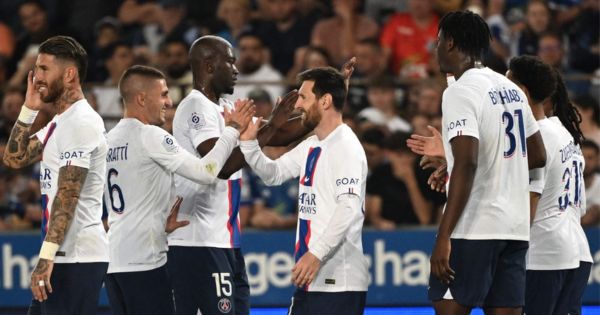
(70, 182)
(22, 150)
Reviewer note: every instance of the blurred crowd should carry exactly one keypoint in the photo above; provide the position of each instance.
(396, 88)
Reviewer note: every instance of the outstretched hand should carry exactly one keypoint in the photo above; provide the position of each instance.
(431, 146)
(172, 223)
(347, 70)
(252, 130)
(241, 116)
(283, 109)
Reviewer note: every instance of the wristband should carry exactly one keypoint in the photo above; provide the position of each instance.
(48, 250)
(27, 115)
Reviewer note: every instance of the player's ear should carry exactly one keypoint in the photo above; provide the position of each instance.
(140, 98)
(326, 101)
(450, 44)
(70, 74)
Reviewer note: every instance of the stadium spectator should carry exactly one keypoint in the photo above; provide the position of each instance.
(106, 31)
(254, 69)
(308, 57)
(372, 142)
(119, 57)
(429, 102)
(538, 21)
(591, 178)
(12, 100)
(408, 39)
(590, 117)
(236, 15)
(7, 41)
(551, 51)
(284, 31)
(36, 29)
(176, 65)
(397, 191)
(370, 64)
(339, 34)
(382, 110)
(584, 38)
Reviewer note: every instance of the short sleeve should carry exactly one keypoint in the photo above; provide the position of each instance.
(531, 125)
(537, 180)
(202, 122)
(460, 112)
(41, 134)
(76, 142)
(347, 176)
(162, 148)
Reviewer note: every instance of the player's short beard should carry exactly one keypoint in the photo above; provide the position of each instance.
(55, 90)
(311, 118)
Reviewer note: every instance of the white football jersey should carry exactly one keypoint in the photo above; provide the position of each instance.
(556, 231)
(211, 209)
(327, 169)
(76, 137)
(486, 105)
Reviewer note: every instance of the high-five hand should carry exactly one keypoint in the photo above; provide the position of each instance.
(431, 146)
(241, 116)
(283, 109)
(252, 130)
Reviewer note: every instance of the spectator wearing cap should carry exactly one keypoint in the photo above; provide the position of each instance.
(382, 110)
(397, 191)
(254, 70)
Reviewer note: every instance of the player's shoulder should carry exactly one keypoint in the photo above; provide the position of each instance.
(82, 117)
(194, 101)
(347, 144)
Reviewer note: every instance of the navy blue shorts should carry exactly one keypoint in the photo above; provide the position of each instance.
(140, 293)
(556, 292)
(210, 279)
(331, 303)
(489, 273)
(75, 290)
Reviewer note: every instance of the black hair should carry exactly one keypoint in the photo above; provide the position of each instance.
(139, 70)
(67, 48)
(469, 32)
(538, 77)
(174, 40)
(110, 50)
(371, 41)
(249, 33)
(586, 101)
(374, 136)
(590, 144)
(37, 3)
(565, 110)
(319, 50)
(397, 141)
(327, 80)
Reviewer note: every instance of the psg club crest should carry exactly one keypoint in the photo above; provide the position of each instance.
(196, 121)
(224, 305)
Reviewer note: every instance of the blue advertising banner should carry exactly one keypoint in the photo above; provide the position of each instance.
(399, 267)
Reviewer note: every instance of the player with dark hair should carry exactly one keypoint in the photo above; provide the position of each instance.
(559, 259)
(74, 255)
(490, 140)
(331, 271)
(141, 161)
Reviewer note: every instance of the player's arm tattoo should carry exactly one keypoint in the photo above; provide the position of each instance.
(22, 150)
(70, 182)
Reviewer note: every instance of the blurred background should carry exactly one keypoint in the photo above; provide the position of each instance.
(396, 90)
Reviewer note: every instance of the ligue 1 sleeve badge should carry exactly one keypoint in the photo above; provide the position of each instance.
(169, 144)
(224, 305)
(196, 121)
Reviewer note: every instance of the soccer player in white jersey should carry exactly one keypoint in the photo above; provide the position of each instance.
(204, 259)
(141, 161)
(559, 259)
(330, 271)
(491, 140)
(72, 148)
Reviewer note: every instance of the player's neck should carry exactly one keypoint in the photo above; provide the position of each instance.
(68, 98)
(328, 125)
(207, 90)
(133, 114)
(588, 179)
(538, 111)
(466, 64)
